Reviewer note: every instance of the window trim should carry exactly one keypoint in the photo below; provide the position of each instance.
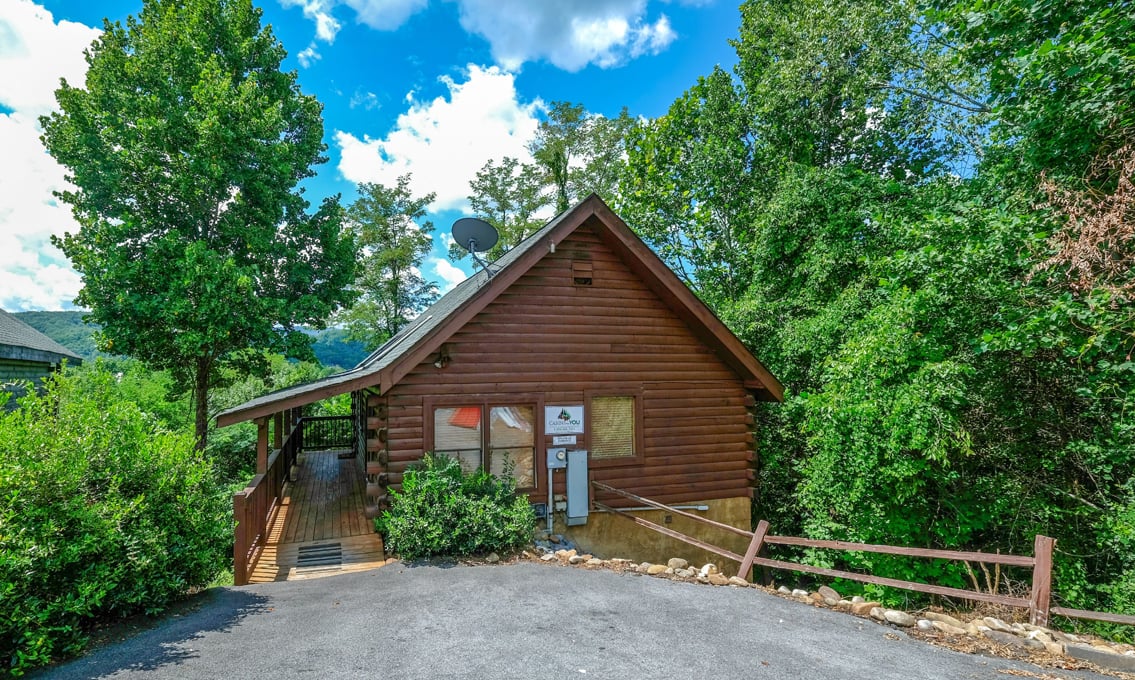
(639, 456)
(486, 402)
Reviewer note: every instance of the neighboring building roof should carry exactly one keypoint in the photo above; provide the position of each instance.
(20, 341)
(425, 334)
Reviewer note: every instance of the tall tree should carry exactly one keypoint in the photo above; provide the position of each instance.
(508, 196)
(185, 148)
(558, 139)
(389, 226)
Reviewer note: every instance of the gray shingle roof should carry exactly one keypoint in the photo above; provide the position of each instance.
(409, 337)
(16, 333)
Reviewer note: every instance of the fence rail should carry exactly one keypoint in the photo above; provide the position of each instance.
(251, 509)
(1038, 602)
(324, 433)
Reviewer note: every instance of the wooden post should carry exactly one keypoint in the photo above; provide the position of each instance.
(1042, 580)
(240, 544)
(261, 445)
(278, 430)
(287, 422)
(754, 548)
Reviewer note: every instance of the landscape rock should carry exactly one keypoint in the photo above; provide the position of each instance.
(1039, 636)
(1001, 637)
(669, 571)
(844, 605)
(815, 597)
(862, 608)
(831, 601)
(925, 624)
(944, 618)
(547, 557)
(719, 579)
(594, 562)
(997, 624)
(829, 593)
(655, 569)
(685, 573)
(738, 581)
(677, 563)
(576, 559)
(566, 554)
(784, 590)
(800, 593)
(899, 618)
(878, 613)
(643, 568)
(948, 629)
(1054, 648)
(857, 599)
(493, 558)
(708, 569)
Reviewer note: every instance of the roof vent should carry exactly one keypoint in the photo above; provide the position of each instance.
(581, 272)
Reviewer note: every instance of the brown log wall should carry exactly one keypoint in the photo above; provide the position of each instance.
(547, 336)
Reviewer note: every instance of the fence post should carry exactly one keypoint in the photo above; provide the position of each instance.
(1042, 581)
(754, 548)
(240, 544)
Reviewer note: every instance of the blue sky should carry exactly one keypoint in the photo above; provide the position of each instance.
(430, 87)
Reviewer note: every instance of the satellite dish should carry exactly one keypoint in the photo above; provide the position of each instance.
(476, 236)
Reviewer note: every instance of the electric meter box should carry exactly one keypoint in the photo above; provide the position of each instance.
(557, 459)
(578, 491)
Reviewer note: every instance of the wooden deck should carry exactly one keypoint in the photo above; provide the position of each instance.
(319, 528)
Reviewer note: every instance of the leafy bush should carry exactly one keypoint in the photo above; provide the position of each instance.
(104, 513)
(442, 511)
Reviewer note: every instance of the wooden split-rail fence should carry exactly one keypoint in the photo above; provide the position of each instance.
(1038, 602)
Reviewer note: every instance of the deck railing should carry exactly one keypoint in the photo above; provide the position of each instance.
(325, 433)
(253, 506)
(1038, 602)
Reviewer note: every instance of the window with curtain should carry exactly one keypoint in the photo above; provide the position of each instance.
(507, 444)
(458, 434)
(612, 427)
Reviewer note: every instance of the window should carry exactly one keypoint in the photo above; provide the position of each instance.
(507, 444)
(614, 428)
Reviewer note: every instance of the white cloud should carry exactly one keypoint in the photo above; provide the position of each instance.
(385, 15)
(444, 142)
(570, 35)
(366, 100)
(319, 11)
(308, 56)
(35, 52)
(449, 274)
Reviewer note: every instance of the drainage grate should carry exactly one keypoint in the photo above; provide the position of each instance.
(322, 557)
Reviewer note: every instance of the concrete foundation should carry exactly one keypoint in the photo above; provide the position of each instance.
(609, 535)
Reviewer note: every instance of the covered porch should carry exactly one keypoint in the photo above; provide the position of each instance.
(304, 514)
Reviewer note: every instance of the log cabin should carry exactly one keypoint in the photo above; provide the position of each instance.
(578, 356)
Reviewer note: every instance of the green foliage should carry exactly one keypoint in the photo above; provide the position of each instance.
(954, 376)
(104, 513)
(68, 329)
(185, 149)
(389, 226)
(441, 511)
(332, 347)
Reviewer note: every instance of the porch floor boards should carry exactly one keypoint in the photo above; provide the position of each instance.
(322, 507)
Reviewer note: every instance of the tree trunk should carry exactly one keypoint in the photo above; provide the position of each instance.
(201, 402)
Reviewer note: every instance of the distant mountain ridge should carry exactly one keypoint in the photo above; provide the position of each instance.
(330, 345)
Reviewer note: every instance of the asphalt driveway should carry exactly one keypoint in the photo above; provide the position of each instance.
(524, 620)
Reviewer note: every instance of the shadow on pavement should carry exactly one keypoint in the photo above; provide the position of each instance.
(167, 643)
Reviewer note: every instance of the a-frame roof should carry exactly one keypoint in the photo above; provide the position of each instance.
(425, 334)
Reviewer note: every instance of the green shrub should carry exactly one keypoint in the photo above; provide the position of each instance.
(441, 511)
(104, 513)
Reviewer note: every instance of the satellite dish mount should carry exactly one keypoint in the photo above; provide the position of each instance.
(475, 236)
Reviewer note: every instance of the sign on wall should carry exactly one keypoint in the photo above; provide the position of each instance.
(563, 419)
